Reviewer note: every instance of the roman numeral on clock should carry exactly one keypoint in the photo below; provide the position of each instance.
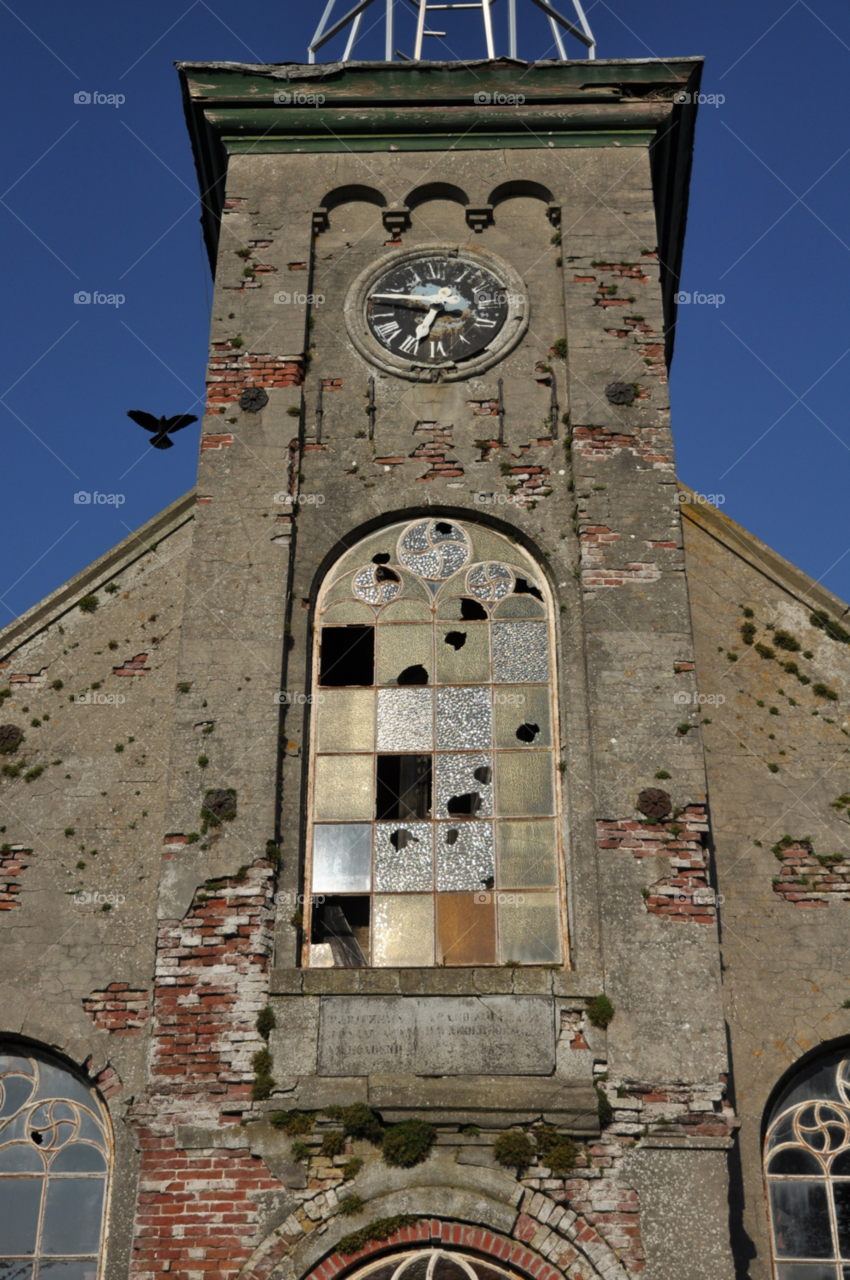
(388, 331)
(409, 344)
(484, 323)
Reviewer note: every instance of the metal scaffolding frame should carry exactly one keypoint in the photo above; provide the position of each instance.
(353, 19)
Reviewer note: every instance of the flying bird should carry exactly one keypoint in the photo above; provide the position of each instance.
(162, 427)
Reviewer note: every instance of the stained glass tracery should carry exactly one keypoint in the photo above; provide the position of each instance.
(807, 1166)
(54, 1168)
(433, 809)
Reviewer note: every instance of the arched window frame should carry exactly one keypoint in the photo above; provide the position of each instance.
(50, 1114)
(806, 1160)
(523, 577)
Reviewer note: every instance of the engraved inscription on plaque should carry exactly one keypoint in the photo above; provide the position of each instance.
(436, 1035)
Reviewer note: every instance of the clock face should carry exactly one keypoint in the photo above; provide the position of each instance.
(436, 309)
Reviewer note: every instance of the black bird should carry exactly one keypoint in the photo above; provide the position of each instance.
(162, 427)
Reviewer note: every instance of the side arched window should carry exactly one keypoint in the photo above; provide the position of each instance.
(55, 1156)
(807, 1166)
(433, 833)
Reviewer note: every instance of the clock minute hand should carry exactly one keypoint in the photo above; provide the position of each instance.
(416, 298)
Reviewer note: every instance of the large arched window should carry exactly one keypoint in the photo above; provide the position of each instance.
(433, 834)
(54, 1170)
(807, 1164)
(433, 1264)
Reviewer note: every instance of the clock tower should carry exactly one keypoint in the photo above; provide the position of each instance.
(437, 523)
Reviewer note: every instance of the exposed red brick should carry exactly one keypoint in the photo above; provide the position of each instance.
(133, 666)
(11, 865)
(119, 1009)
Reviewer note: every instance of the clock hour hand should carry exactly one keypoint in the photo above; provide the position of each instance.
(424, 326)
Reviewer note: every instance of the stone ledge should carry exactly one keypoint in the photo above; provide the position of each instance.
(434, 982)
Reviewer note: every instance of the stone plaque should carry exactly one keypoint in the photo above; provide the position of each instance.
(434, 1035)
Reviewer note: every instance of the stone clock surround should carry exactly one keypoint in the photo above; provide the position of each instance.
(509, 336)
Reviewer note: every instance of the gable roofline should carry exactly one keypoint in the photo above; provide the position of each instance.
(61, 601)
(759, 556)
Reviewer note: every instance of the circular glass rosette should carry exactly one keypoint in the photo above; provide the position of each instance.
(376, 584)
(433, 549)
(490, 582)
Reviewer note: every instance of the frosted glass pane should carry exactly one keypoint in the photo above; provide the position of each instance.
(523, 708)
(463, 652)
(466, 928)
(524, 783)
(403, 930)
(527, 853)
(72, 1215)
(346, 720)
(464, 719)
(464, 855)
(344, 786)
(405, 719)
(403, 856)
(520, 651)
(401, 647)
(342, 858)
(529, 928)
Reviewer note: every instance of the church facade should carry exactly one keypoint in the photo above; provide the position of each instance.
(424, 843)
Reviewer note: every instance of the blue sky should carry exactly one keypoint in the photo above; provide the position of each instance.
(103, 198)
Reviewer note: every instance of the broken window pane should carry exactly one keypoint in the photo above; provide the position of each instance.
(403, 787)
(463, 653)
(465, 857)
(342, 858)
(523, 715)
(401, 649)
(465, 786)
(403, 857)
(347, 656)
(343, 925)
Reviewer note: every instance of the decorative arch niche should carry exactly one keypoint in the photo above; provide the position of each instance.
(433, 834)
(55, 1163)
(807, 1170)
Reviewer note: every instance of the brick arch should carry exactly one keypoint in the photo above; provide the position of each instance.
(437, 1232)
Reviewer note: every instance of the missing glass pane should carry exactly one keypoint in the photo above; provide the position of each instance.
(347, 656)
(403, 787)
(522, 587)
(343, 923)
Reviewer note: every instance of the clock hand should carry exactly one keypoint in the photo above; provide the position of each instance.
(417, 299)
(424, 326)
